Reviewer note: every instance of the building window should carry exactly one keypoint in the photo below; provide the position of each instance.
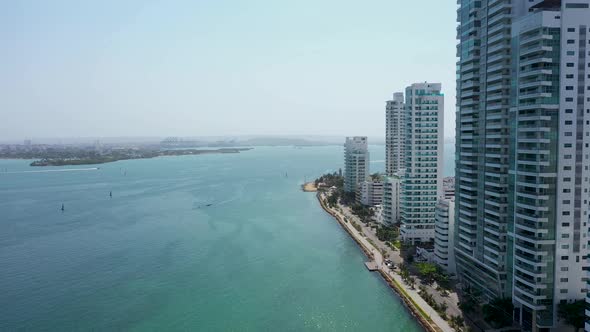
(569, 87)
(566, 201)
(563, 291)
(569, 110)
(565, 224)
(564, 269)
(565, 213)
(571, 41)
(569, 64)
(564, 258)
(563, 279)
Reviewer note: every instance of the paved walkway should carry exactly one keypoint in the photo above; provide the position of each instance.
(452, 300)
(378, 258)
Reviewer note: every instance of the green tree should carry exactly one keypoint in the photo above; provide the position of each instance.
(376, 177)
(498, 312)
(428, 271)
(443, 306)
(333, 199)
(572, 313)
(412, 282)
(457, 322)
(387, 233)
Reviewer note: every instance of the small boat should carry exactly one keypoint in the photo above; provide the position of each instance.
(62, 207)
(208, 204)
(111, 194)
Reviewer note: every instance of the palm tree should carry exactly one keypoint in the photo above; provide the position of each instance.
(443, 307)
(412, 282)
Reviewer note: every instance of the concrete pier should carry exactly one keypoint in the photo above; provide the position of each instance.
(371, 266)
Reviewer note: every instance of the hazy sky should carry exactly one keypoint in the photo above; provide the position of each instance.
(217, 67)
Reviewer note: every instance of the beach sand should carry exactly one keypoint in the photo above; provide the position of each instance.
(309, 187)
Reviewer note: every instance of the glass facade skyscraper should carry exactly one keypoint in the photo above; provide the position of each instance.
(523, 126)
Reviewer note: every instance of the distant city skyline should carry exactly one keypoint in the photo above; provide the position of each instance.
(159, 68)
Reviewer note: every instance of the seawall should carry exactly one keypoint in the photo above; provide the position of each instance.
(409, 303)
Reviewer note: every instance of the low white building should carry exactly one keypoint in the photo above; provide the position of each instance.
(391, 194)
(444, 235)
(370, 193)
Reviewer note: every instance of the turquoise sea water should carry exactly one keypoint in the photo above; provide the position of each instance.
(262, 257)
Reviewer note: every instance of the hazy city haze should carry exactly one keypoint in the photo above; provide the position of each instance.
(198, 68)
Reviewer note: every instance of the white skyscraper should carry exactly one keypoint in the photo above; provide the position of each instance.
(394, 134)
(356, 162)
(548, 187)
(422, 181)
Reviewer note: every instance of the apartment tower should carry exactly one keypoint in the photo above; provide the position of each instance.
(356, 162)
(394, 134)
(422, 182)
(522, 142)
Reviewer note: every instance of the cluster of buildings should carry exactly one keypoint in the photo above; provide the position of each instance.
(413, 183)
(513, 223)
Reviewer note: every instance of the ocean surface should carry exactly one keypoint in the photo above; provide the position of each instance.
(224, 242)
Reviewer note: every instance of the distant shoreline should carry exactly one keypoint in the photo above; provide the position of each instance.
(112, 158)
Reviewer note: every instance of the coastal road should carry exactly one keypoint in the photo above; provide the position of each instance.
(452, 300)
(378, 258)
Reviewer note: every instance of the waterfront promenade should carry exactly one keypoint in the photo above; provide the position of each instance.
(429, 318)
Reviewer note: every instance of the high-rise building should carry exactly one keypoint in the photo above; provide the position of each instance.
(394, 134)
(356, 162)
(444, 240)
(422, 182)
(391, 194)
(522, 139)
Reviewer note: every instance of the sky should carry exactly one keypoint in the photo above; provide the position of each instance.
(217, 68)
